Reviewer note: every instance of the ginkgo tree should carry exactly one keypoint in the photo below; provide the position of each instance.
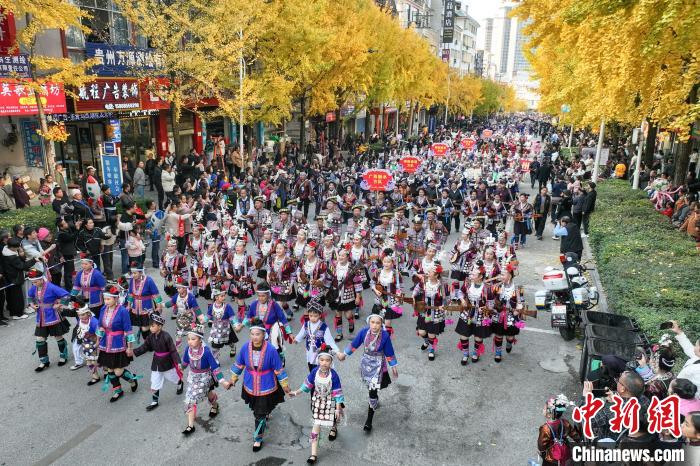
(40, 17)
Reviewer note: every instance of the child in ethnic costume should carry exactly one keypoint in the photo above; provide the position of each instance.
(84, 339)
(221, 316)
(377, 356)
(172, 265)
(48, 299)
(116, 340)
(204, 376)
(185, 308)
(327, 400)
(143, 299)
(265, 380)
(316, 334)
(166, 360)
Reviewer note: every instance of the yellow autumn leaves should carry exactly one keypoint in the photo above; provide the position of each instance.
(618, 60)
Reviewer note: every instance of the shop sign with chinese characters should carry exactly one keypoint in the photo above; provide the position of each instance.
(115, 95)
(14, 66)
(117, 60)
(17, 98)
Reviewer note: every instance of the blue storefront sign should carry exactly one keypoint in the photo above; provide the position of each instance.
(112, 172)
(122, 60)
(15, 66)
(33, 144)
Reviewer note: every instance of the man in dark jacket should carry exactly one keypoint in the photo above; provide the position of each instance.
(541, 208)
(544, 174)
(570, 234)
(588, 207)
(534, 168)
(65, 240)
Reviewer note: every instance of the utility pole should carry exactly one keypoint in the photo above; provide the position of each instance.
(596, 167)
(447, 103)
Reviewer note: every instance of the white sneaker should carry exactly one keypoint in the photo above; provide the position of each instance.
(76, 366)
(23, 316)
(583, 235)
(29, 310)
(555, 237)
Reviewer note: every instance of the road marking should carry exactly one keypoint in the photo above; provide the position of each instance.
(542, 330)
(68, 445)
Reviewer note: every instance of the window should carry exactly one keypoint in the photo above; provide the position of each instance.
(106, 23)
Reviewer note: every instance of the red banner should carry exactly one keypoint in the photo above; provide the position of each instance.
(487, 133)
(17, 98)
(525, 165)
(410, 163)
(440, 149)
(8, 34)
(109, 94)
(377, 180)
(468, 143)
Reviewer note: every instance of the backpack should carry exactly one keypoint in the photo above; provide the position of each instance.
(559, 450)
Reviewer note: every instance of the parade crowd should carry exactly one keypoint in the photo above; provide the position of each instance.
(281, 250)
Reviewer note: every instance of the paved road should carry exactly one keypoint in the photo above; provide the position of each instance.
(434, 413)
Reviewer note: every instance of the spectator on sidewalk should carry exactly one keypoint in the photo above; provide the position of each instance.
(167, 178)
(589, 206)
(14, 265)
(158, 182)
(691, 368)
(140, 181)
(7, 202)
(691, 225)
(544, 174)
(52, 255)
(570, 234)
(32, 247)
(65, 241)
(127, 196)
(59, 201)
(558, 187)
(110, 237)
(19, 193)
(80, 208)
(534, 167)
(90, 241)
(149, 169)
(60, 177)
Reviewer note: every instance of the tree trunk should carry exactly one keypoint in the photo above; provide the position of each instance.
(339, 125)
(681, 162)
(410, 120)
(49, 148)
(650, 144)
(175, 122)
(302, 128)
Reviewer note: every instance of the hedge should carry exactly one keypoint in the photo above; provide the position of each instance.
(41, 216)
(650, 270)
(37, 216)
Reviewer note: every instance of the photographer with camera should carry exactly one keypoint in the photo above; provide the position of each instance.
(691, 368)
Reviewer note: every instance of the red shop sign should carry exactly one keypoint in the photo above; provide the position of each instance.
(153, 94)
(440, 149)
(17, 98)
(410, 163)
(377, 180)
(468, 143)
(8, 34)
(109, 94)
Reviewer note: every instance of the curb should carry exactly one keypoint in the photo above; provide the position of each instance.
(603, 298)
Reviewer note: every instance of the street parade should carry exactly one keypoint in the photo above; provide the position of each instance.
(350, 232)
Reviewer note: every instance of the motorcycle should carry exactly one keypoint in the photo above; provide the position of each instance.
(566, 295)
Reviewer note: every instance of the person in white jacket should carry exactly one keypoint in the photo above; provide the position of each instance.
(691, 368)
(167, 179)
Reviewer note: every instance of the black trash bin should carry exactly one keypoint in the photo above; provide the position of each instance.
(605, 332)
(610, 320)
(595, 348)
